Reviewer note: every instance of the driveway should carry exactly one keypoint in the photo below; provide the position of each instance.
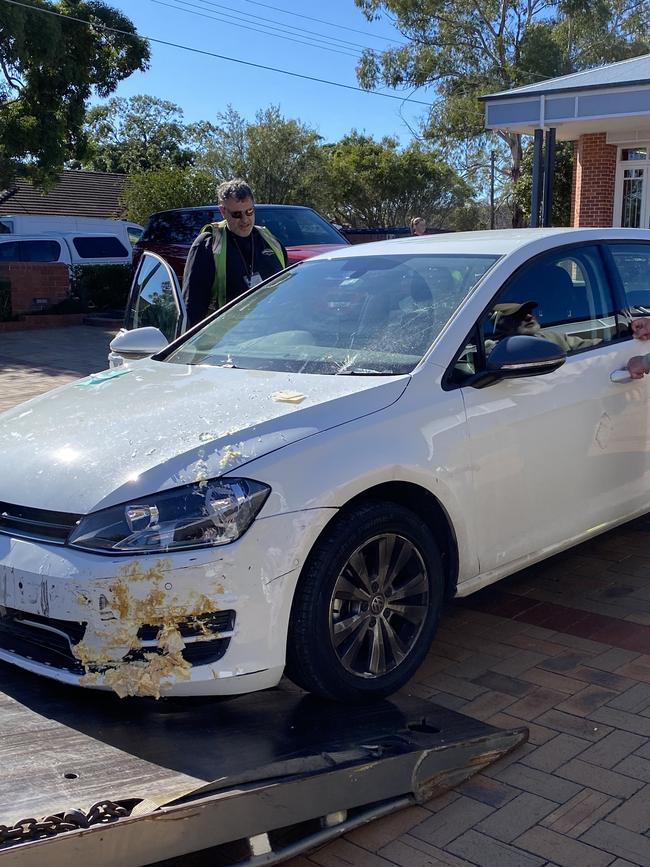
(563, 648)
(32, 362)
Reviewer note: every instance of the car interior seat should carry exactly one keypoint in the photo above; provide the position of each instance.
(557, 298)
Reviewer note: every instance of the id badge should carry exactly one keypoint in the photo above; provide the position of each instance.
(254, 280)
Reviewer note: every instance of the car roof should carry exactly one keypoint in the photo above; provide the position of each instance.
(492, 242)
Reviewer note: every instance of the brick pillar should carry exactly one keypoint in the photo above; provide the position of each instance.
(594, 175)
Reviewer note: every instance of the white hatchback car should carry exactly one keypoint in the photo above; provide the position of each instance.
(297, 483)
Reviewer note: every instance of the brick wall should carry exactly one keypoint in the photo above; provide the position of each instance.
(594, 174)
(33, 283)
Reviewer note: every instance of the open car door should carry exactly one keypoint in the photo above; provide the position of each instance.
(155, 298)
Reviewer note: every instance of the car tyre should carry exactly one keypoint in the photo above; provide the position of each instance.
(367, 604)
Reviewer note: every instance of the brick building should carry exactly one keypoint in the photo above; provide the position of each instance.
(605, 112)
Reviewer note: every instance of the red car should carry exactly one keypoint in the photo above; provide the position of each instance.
(302, 230)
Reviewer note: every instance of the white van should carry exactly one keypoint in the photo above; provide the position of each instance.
(80, 248)
(36, 224)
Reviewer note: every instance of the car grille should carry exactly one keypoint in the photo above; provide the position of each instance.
(42, 524)
(48, 641)
(41, 639)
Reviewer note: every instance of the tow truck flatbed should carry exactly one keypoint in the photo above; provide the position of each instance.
(254, 779)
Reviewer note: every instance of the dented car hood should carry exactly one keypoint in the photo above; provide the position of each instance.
(154, 425)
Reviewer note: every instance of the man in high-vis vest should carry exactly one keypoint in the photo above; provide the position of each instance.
(230, 256)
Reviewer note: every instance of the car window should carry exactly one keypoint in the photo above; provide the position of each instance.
(99, 247)
(632, 263)
(563, 297)
(30, 251)
(134, 233)
(39, 251)
(178, 227)
(294, 227)
(153, 299)
(363, 315)
(8, 252)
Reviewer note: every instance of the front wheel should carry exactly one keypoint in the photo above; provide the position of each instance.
(367, 604)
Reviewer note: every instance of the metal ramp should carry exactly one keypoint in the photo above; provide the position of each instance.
(249, 780)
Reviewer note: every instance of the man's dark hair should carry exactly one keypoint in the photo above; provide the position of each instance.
(236, 189)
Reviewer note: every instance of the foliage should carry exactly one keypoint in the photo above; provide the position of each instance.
(48, 69)
(370, 183)
(99, 288)
(136, 134)
(5, 301)
(463, 49)
(562, 182)
(163, 188)
(276, 156)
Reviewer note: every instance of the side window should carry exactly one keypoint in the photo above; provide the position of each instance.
(99, 247)
(153, 301)
(134, 233)
(632, 263)
(563, 297)
(38, 251)
(9, 252)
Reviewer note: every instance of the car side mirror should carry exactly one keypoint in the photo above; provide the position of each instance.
(517, 356)
(139, 343)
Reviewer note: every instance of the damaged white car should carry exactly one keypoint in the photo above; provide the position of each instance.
(298, 482)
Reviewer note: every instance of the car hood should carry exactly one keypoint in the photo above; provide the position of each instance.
(306, 251)
(118, 435)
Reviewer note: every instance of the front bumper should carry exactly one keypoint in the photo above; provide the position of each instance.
(203, 622)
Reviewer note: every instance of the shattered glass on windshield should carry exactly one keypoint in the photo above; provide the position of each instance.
(364, 316)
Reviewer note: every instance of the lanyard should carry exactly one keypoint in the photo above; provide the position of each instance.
(249, 269)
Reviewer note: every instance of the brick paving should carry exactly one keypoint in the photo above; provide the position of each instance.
(34, 362)
(563, 648)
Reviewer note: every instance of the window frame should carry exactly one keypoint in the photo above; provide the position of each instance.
(621, 165)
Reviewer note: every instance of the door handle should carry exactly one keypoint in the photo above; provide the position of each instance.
(620, 376)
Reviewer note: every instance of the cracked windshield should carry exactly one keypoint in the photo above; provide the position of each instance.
(338, 316)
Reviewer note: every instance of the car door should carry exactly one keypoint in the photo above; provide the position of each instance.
(155, 298)
(558, 455)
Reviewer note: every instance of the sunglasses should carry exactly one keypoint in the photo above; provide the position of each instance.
(237, 215)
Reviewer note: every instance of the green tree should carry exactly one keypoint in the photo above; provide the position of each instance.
(48, 69)
(136, 134)
(166, 187)
(276, 155)
(463, 49)
(370, 183)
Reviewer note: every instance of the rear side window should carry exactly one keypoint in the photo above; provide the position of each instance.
(294, 227)
(30, 251)
(98, 247)
(179, 227)
(134, 233)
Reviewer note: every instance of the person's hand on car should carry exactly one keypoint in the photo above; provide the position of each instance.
(641, 328)
(636, 367)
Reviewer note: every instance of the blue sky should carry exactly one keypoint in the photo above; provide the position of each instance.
(203, 86)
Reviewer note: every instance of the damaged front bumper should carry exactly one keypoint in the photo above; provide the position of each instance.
(202, 622)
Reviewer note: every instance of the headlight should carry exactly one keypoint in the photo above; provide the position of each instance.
(206, 513)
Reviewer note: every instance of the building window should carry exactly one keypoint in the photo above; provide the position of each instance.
(634, 154)
(632, 200)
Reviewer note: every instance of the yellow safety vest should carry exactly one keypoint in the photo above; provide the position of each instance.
(219, 252)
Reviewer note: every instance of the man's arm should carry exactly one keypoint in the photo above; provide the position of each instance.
(198, 278)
